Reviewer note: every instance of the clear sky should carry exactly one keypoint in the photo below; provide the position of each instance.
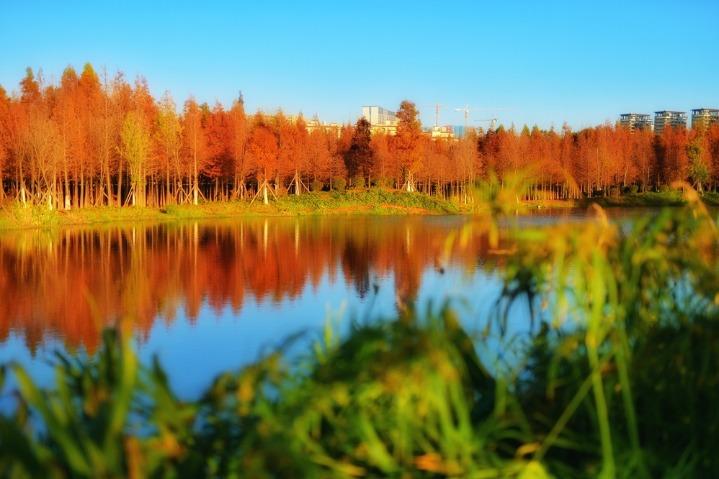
(524, 62)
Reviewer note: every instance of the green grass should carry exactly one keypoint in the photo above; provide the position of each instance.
(711, 198)
(647, 199)
(366, 201)
(13, 215)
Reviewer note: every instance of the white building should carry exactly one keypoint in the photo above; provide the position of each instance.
(635, 121)
(664, 118)
(703, 117)
(377, 115)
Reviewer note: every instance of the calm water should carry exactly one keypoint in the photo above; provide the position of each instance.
(211, 296)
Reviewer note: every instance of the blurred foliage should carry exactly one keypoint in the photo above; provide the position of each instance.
(617, 377)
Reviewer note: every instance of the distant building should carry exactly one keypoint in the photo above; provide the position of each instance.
(442, 132)
(315, 124)
(703, 117)
(674, 119)
(377, 115)
(380, 119)
(636, 121)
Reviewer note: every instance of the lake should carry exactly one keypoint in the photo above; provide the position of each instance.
(208, 296)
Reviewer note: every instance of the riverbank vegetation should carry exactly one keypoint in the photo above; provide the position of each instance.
(374, 201)
(96, 140)
(652, 199)
(612, 379)
(356, 201)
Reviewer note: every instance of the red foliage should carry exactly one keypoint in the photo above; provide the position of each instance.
(60, 144)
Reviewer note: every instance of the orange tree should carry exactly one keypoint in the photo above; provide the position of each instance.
(407, 145)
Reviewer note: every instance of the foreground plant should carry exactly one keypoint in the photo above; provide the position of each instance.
(618, 308)
(394, 398)
(105, 416)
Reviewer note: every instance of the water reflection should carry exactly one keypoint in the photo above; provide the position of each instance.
(68, 284)
(211, 296)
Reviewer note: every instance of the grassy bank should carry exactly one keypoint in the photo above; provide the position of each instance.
(363, 202)
(651, 199)
(371, 201)
(616, 378)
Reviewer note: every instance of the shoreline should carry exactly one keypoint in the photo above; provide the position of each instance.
(367, 202)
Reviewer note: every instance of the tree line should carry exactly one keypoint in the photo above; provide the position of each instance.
(94, 140)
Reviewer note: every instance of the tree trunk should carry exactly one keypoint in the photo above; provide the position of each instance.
(196, 190)
(119, 181)
(76, 194)
(66, 189)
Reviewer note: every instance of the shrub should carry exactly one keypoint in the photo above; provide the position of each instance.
(383, 182)
(339, 183)
(316, 186)
(358, 181)
(280, 191)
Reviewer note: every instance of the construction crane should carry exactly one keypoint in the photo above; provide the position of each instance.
(436, 107)
(467, 109)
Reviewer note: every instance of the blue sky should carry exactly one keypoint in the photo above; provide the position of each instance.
(524, 62)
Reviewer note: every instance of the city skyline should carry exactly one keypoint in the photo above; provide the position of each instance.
(522, 62)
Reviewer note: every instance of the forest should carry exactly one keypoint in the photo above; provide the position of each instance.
(94, 140)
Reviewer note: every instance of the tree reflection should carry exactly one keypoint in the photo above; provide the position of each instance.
(73, 282)
(356, 264)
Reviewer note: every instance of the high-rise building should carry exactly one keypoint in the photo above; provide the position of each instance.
(665, 118)
(633, 121)
(703, 117)
(380, 119)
